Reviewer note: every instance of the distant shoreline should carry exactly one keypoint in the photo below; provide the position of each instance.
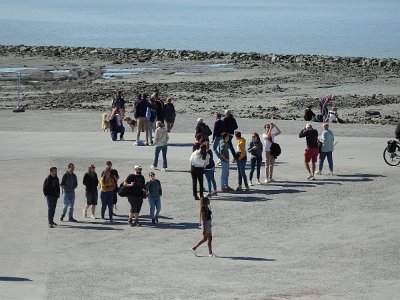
(142, 55)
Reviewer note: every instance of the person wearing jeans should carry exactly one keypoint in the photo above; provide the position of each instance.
(327, 140)
(255, 149)
(107, 186)
(69, 183)
(209, 173)
(51, 190)
(241, 160)
(224, 151)
(160, 141)
(218, 130)
(154, 190)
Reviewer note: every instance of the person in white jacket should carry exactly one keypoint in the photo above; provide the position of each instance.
(198, 160)
(161, 144)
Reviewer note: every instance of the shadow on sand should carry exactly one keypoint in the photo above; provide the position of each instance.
(247, 258)
(14, 279)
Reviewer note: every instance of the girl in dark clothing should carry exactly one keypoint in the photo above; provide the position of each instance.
(255, 149)
(91, 182)
(199, 159)
(209, 172)
(206, 217)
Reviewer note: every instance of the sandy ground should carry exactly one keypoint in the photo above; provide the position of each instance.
(332, 238)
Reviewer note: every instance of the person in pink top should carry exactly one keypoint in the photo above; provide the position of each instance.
(271, 131)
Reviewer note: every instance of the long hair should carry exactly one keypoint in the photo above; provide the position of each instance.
(203, 151)
(257, 136)
(204, 202)
(103, 178)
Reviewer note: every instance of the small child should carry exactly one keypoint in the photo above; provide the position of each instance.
(334, 116)
(154, 190)
(206, 217)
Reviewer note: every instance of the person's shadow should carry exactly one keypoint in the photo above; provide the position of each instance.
(14, 279)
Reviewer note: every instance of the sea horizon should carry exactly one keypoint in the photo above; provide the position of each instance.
(352, 28)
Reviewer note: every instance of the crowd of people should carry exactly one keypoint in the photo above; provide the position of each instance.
(151, 115)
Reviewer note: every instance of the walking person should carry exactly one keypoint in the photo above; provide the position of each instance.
(160, 106)
(230, 126)
(312, 150)
(154, 193)
(151, 116)
(271, 131)
(51, 190)
(91, 182)
(170, 114)
(199, 159)
(216, 137)
(241, 159)
(209, 171)
(107, 186)
(256, 150)
(327, 139)
(224, 154)
(137, 185)
(206, 220)
(69, 183)
(161, 138)
(203, 129)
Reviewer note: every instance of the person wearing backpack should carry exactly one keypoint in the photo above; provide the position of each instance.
(327, 140)
(271, 131)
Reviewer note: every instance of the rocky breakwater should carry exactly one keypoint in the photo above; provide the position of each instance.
(130, 55)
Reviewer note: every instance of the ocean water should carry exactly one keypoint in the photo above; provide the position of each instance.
(368, 28)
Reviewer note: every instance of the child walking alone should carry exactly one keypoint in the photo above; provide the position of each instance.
(206, 217)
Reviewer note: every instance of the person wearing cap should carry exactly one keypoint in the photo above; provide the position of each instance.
(160, 141)
(137, 191)
(91, 182)
(230, 126)
(115, 176)
(312, 150)
(203, 129)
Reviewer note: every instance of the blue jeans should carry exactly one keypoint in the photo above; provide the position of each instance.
(107, 201)
(216, 147)
(69, 201)
(241, 167)
(210, 179)
(322, 156)
(120, 130)
(253, 162)
(51, 203)
(155, 204)
(224, 174)
(164, 154)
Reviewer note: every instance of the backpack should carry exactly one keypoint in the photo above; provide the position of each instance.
(275, 150)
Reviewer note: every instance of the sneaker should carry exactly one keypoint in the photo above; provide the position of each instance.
(193, 251)
(266, 180)
(51, 226)
(196, 198)
(72, 220)
(225, 190)
(271, 180)
(121, 139)
(135, 144)
(84, 213)
(164, 170)
(318, 173)
(152, 167)
(130, 222)
(62, 218)
(54, 224)
(93, 217)
(251, 183)
(211, 255)
(310, 177)
(332, 173)
(230, 189)
(259, 182)
(214, 193)
(247, 188)
(136, 223)
(157, 220)
(153, 221)
(209, 195)
(239, 188)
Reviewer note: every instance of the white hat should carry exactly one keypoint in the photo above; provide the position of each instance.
(138, 167)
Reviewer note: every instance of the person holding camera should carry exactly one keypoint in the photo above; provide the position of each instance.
(271, 131)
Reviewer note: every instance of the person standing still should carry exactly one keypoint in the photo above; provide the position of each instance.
(269, 138)
(107, 186)
(206, 220)
(115, 177)
(241, 160)
(217, 132)
(327, 139)
(230, 126)
(137, 185)
(312, 150)
(209, 171)
(255, 149)
(154, 190)
(91, 182)
(170, 114)
(51, 190)
(161, 138)
(198, 160)
(140, 108)
(224, 154)
(69, 183)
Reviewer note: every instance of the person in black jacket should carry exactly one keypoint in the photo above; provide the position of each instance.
(116, 125)
(397, 131)
(51, 190)
(219, 128)
(69, 183)
(91, 182)
(137, 185)
(230, 127)
(203, 129)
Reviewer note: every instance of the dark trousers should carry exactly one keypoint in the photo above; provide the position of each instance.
(256, 161)
(120, 130)
(107, 201)
(231, 147)
(51, 204)
(197, 175)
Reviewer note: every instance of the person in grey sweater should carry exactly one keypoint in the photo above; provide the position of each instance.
(327, 140)
(160, 141)
(69, 183)
(154, 191)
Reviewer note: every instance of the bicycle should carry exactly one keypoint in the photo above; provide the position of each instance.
(391, 154)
